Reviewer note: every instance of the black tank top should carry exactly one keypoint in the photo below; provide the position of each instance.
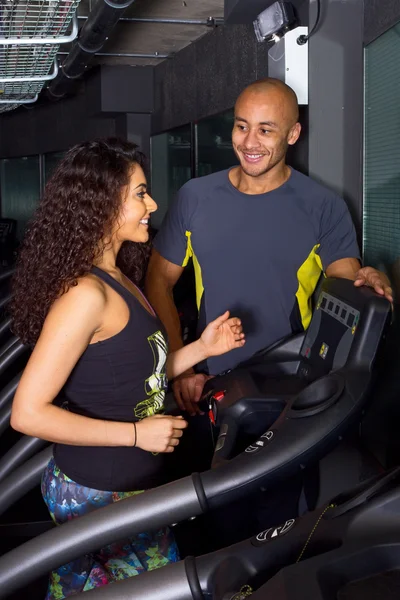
(121, 378)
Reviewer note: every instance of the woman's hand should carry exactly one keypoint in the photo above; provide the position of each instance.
(222, 335)
(160, 433)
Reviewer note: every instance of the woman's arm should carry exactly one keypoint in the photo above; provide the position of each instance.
(220, 336)
(183, 359)
(68, 329)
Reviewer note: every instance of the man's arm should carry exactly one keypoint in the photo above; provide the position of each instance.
(170, 255)
(350, 268)
(161, 278)
(339, 250)
(346, 268)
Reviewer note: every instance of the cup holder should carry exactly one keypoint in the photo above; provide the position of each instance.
(318, 396)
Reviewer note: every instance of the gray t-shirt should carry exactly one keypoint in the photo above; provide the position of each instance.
(259, 256)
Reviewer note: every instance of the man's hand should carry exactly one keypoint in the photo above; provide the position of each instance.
(188, 389)
(375, 279)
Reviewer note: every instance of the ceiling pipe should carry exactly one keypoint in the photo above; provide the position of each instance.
(91, 38)
(157, 55)
(209, 22)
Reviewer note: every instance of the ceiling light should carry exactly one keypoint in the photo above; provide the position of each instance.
(272, 24)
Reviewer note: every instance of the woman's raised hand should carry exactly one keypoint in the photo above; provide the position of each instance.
(222, 335)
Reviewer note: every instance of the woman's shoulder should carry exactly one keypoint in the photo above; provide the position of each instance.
(88, 294)
(77, 313)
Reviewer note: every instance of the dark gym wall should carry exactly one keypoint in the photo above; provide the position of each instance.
(380, 15)
(50, 127)
(206, 77)
(107, 103)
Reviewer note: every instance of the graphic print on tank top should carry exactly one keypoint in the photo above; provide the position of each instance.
(155, 385)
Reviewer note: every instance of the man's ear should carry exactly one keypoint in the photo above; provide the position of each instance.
(294, 134)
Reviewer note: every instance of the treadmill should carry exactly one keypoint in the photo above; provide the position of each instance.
(296, 399)
(348, 549)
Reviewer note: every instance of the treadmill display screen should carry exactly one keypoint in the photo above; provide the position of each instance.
(330, 336)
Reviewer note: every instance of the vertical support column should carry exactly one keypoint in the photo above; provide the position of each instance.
(138, 129)
(336, 83)
(160, 177)
(135, 128)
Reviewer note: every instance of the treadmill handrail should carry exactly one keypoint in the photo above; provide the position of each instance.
(225, 571)
(6, 274)
(14, 351)
(143, 512)
(19, 453)
(6, 399)
(23, 479)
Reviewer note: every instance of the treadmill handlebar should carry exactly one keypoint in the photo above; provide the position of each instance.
(13, 351)
(218, 573)
(177, 586)
(282, 450)
(226, 441)
(361, 521)
(21, 451)
(222, 573)
(144, 512)
(23, 479)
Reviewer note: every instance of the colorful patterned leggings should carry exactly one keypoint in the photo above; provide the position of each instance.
(66, 500)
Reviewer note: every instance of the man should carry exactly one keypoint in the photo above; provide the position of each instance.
(260, 235)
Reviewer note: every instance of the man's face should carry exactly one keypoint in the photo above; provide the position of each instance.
(262, 131)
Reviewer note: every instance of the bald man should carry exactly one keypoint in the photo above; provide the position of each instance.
(260, 235)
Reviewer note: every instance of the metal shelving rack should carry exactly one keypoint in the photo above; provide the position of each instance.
(31, 32)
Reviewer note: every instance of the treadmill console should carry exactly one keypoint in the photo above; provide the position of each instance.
(330, 336)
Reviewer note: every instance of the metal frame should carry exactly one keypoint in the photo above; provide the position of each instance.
(49, 77)
(27, 101)
(209, 22)
(127, 54)
(31, 32)
(64, 39)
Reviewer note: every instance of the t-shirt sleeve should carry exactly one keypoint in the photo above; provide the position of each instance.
(337, 233)
(172, 241)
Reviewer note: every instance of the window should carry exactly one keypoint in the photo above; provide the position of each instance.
(382, 151)
(170, 168)
(51, 160)
(20, 189)
(215, 152)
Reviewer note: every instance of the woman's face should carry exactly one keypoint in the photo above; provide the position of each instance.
(135, 210)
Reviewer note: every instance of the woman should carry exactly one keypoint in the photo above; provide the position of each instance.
(98, 341)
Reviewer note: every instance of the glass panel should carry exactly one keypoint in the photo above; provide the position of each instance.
(170, 168)
(382, 151)
(20, 189)
(215, 151)
(51, 160)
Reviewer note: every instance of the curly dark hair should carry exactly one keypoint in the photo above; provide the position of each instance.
(66, 235)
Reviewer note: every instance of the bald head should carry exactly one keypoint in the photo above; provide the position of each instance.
(266, 124)
(272, 91)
